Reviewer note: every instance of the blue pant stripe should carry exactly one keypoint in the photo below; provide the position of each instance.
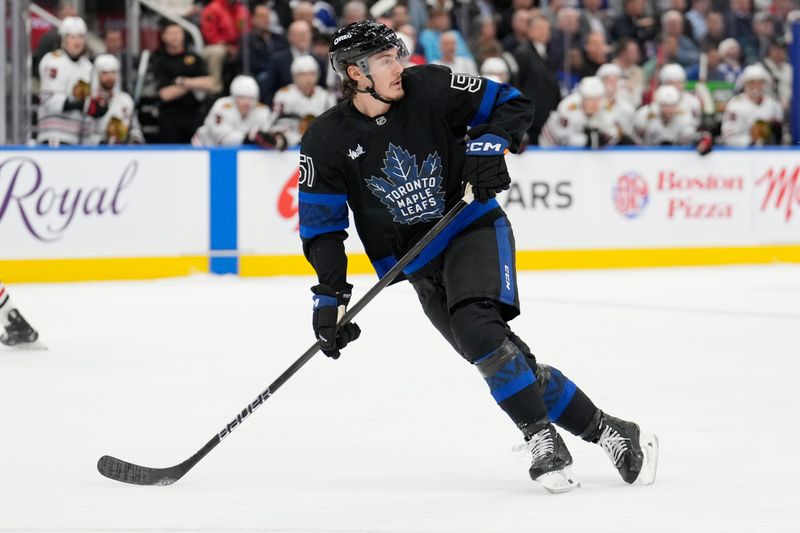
(507, 289)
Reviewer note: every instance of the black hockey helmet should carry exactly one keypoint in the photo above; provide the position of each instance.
(354, 43)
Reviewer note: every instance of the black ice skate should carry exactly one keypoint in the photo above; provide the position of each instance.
(19, 334)
(551, 461)
(633, 452)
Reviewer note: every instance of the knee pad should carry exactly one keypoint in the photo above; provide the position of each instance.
(477, 328)
(505, 371)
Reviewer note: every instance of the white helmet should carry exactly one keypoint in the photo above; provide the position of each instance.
(304, 63)
(106, 63)
(72, 26)
(754, 73)
(245, 87)
(667, 95)
(609, 69)
(494, 67)
(591, 87)
(672, 73)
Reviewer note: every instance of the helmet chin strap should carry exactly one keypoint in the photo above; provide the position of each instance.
(372, 92)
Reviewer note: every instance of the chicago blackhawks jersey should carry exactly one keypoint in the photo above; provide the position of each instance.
(741, 114)
(118, 125)
(63, 78)
(652, 130)
(225, 126)
(569, 125)
(294, 111)
(398, 172)
(621, 112)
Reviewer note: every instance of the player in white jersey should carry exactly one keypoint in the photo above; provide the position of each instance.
(14, 329)
(674, 74)
(620, 109)
(65, 76)
(665, 122)
(238, 119)
(299, 103)
(580, 120)
(752, 117)
(111, 109)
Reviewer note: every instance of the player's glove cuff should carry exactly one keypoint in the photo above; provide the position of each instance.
(329, 307)
(485, 165)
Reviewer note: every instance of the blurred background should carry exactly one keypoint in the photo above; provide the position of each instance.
(634, 47)
(149, 138)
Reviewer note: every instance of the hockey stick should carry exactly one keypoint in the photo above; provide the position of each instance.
(120, 470)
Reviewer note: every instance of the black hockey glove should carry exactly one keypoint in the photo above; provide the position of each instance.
(485, 165)
(329, 306)
(267, 141)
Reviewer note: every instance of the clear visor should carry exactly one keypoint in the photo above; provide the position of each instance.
(384, 61)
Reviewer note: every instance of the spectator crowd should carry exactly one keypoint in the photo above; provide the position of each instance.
(600, 72)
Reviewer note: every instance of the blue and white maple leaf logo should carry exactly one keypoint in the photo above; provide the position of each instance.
(412, 195)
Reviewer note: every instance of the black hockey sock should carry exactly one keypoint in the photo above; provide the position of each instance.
(567, 405)
(512, 384)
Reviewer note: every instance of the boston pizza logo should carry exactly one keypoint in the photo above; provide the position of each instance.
(630, 194)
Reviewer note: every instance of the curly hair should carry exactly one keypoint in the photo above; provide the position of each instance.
(349, 87)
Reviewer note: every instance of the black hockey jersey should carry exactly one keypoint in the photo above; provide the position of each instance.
(399, 172)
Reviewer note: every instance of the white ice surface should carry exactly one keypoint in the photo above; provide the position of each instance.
(400, 434)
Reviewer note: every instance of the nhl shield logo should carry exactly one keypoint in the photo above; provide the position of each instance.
(411, 194)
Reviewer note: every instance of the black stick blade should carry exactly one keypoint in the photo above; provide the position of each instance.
(126, 472)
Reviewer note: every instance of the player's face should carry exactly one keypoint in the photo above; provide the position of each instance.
(667, 112)
(754, 89)
(244, 105)
(108, 80)
(591, 105)
(306, 81)
(386, 69)
(74, 44)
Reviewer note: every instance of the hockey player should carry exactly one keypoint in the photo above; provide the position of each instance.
(299, 103)
(580, 119)
(664, 121)
(674, 74)
(112, 110)
(752, 117)
(394, 151)
(18, 333)
(239, 119)
(65, 76)
(620, 109)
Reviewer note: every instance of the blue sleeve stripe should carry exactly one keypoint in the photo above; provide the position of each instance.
(383, 266)
(487, 103)
(306, 232)
(507, 92)
(322, 199)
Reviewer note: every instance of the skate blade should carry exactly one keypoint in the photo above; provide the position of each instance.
(559, 481)
(26, 346)
(649, 445)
